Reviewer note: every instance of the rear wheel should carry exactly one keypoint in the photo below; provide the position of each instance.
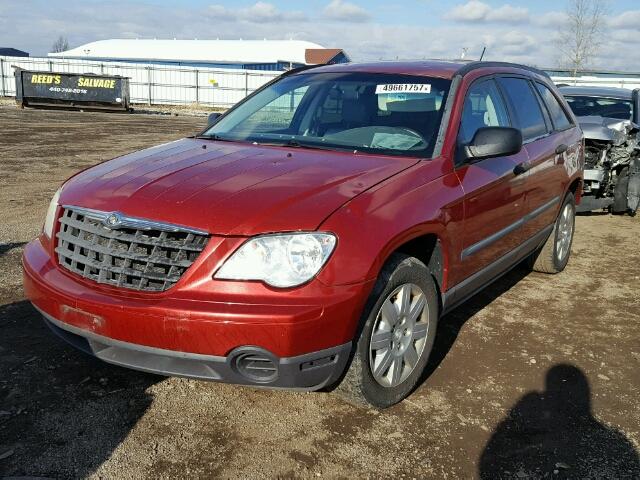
(554, 254)
(620, 203)
(396, 335)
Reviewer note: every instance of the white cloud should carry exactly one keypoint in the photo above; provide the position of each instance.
(266, 12)
(514, 43)
(257, 13)
(629, 20)
(220, 12)
(342, 11)
(477, 11)
(472, 11)
(509, 14)
(553, 20)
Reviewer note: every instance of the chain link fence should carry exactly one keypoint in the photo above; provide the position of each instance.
(159, 84)
(151, 84)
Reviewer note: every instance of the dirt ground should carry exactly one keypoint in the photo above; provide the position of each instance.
(536, 377)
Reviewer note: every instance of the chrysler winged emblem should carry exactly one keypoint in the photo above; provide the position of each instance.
(113, 220)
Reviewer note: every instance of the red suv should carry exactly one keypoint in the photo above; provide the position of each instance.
(313, 235)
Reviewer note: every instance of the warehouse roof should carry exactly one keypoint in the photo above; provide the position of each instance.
(12, 52)
(213, 51)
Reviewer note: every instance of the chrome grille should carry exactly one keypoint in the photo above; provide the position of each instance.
(136, 254)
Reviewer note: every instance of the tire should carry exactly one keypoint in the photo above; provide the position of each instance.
(620, 202)
(373, 376)
(554, 255)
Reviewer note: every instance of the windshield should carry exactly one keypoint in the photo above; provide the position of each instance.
(379, 113)
(584, 106)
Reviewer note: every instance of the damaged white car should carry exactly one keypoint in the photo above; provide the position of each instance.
(609, 118)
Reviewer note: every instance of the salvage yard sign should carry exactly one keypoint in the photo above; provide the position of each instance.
(71, 90)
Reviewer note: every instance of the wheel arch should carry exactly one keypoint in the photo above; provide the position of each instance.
(430, 247)
(575, 187)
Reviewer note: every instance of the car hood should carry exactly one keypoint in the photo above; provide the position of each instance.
(605, 129)
(230, 188)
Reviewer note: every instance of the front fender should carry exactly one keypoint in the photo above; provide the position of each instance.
(377, 223)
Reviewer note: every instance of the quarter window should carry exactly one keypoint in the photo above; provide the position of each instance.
(558, 115)
(483, 107)
(527, 112)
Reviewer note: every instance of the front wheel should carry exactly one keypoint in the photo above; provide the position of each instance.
(396, 335)
(554, 254)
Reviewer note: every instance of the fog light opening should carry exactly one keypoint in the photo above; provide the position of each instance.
(256, 367)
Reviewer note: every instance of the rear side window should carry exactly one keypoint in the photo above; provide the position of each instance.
(528, 115)
(483, 107)
(558, 115)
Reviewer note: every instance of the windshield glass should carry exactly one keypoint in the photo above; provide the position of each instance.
(379, 113)
(584, 106)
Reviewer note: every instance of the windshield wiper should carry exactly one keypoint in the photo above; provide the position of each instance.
(215, 137)
(292, 142)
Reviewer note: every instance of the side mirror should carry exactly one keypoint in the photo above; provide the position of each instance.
(212, 118)
(493, 142)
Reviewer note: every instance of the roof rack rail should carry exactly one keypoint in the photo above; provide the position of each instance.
(462, 71)
(301, 69)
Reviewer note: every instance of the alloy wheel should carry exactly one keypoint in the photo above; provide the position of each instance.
(565, 232)
(399, 335)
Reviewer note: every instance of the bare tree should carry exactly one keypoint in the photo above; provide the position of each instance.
(581, 37)
(60, 45)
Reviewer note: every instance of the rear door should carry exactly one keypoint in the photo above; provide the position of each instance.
(494, 195)
(548, 138)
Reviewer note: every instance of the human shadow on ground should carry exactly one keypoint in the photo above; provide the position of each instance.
(62, 412)
(553, 434)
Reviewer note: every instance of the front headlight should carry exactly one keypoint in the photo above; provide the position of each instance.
(50, 219)
(283, 260)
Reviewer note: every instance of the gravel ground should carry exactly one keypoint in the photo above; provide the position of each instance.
(536, 377)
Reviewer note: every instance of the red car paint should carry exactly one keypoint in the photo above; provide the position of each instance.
(373, 203)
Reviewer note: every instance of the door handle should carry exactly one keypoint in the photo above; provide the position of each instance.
(522, 168)
(561, 148)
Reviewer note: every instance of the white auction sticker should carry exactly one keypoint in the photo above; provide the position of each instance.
(403, 87)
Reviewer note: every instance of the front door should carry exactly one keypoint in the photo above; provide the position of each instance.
(493, 192)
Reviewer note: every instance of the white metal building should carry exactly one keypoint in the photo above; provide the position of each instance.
(237, 54)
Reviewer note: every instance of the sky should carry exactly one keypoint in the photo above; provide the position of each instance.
(517, 31)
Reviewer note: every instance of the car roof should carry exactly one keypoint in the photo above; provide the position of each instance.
(428, 68)
(610, 92)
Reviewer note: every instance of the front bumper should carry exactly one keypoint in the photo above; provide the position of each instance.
(306, 339)
(310, 371)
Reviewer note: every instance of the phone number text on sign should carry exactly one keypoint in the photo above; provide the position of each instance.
(403, 87)
(67, 90)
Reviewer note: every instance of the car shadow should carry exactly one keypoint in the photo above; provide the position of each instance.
(62, 412)
(449, 326)
(553, 434)
(6, 247)
(594, 213)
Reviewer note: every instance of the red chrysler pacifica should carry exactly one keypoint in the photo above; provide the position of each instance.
(312, 236)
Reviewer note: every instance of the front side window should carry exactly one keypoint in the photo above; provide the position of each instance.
(483, 107)
(378, 113)
(584, 106)
(527, 112)
(558, 115)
